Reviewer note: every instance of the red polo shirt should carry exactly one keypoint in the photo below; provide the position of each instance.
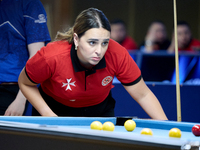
(129, 43)
(193, 46)
(57, 68)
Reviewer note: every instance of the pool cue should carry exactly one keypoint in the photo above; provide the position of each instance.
(178, 99)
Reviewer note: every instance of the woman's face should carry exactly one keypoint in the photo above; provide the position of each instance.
(92, 46)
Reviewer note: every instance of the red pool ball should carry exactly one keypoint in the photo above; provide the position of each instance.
(196, 130)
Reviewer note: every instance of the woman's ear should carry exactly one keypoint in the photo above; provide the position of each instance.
(76, 39)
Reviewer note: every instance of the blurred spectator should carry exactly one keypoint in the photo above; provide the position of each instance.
(185, 40)
(156, 38)
(23, 31)
(119, 34)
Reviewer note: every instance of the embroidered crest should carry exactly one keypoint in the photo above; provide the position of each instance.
(106, 80)
(68, 84)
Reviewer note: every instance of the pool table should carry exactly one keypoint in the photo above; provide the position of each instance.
(74, 133)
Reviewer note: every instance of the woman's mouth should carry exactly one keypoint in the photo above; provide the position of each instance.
(96, 58)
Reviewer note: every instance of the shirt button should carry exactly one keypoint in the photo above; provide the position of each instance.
(72, 100)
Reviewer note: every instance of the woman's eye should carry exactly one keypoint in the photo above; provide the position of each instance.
(91, 42)
(105, 43)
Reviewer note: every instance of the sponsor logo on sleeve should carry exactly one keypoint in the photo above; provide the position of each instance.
(41, 19)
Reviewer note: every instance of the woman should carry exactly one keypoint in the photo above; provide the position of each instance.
(76, 73)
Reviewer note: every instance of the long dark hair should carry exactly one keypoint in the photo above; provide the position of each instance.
(87, 19)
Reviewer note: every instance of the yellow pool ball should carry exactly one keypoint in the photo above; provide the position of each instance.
(108, 126)
(96, 125)
(146, 131)
(175, 132)
(130, 125)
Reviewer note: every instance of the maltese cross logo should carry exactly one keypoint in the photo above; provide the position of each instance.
(68, 84)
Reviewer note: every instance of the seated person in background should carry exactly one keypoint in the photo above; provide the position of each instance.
(156, 38)
(119, 34)
(185, 40)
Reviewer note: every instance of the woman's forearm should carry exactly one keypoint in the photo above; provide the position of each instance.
(147, 100)
(33, 95)
(152, 106)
